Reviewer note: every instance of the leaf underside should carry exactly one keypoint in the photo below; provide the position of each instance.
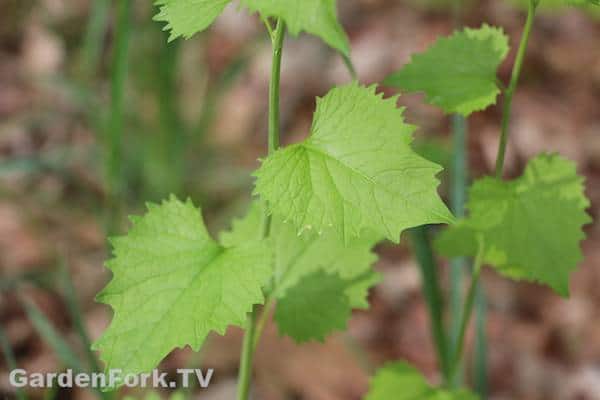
(356, 171)
(531, 227)
(172, 284)
(457, 73)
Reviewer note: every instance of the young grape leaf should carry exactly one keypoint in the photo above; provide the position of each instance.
(457, 73)
(172, 285)
(298, 259)
(356, 171)
(187, 17)
(318, 17)
(401, 381)
(531, 226)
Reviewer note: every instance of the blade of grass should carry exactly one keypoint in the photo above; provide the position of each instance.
(92, 43)
(117, 94)
(77, 317)
(51, 336)
(11, 361)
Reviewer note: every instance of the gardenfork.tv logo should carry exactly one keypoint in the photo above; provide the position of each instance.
(185, 377)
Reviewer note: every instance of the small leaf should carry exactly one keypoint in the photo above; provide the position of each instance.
(401, 381)
(356, 171)
(531, 226)
(457, 73)
(298, 258)
(314, 307)
(172, 285)
(318, 17)
(187, 17)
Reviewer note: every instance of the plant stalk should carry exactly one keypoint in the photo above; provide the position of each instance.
(432, 293)
(255, 325)
(466, 314)
(458, 186)
(512, 87)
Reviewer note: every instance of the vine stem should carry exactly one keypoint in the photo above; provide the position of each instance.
(514, 81)
(254, 325)
(466, 313)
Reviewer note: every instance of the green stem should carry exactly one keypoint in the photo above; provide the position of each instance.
(510, 91)
(350, 66)
(117, 94)
(245, 373)
(274, 87)
(480, 367)
(432, 292)
(254, 326)
(458, 180)
(466, 314)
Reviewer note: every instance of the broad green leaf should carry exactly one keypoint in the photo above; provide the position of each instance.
(187, 17)
(172, 284)
(401, 381)
(457, 73)
(298, 258)
(531, 227)
(356, 171)
(318, 17)
(314, 307)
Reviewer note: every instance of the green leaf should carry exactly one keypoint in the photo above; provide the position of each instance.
(318, 17)
(401, 381)
(314, 307)
(457, 73)
(172, 285)
(531, 226)
(187, 17)
(356, 171)
(298, 259)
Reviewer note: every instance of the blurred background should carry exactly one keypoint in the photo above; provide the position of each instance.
(98, 114)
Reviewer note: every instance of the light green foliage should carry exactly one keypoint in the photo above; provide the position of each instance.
(457, 73)
(318, 17)
(298, 259)
(172, 285)
(187, 17)
(356, 171)
(531, 226)
(400, 381)
(314, 307)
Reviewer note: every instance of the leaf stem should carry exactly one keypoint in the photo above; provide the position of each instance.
(466, 313)
(274, 87)
(510, 91)
(255, 326)
(245, 373)
(350, 66)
